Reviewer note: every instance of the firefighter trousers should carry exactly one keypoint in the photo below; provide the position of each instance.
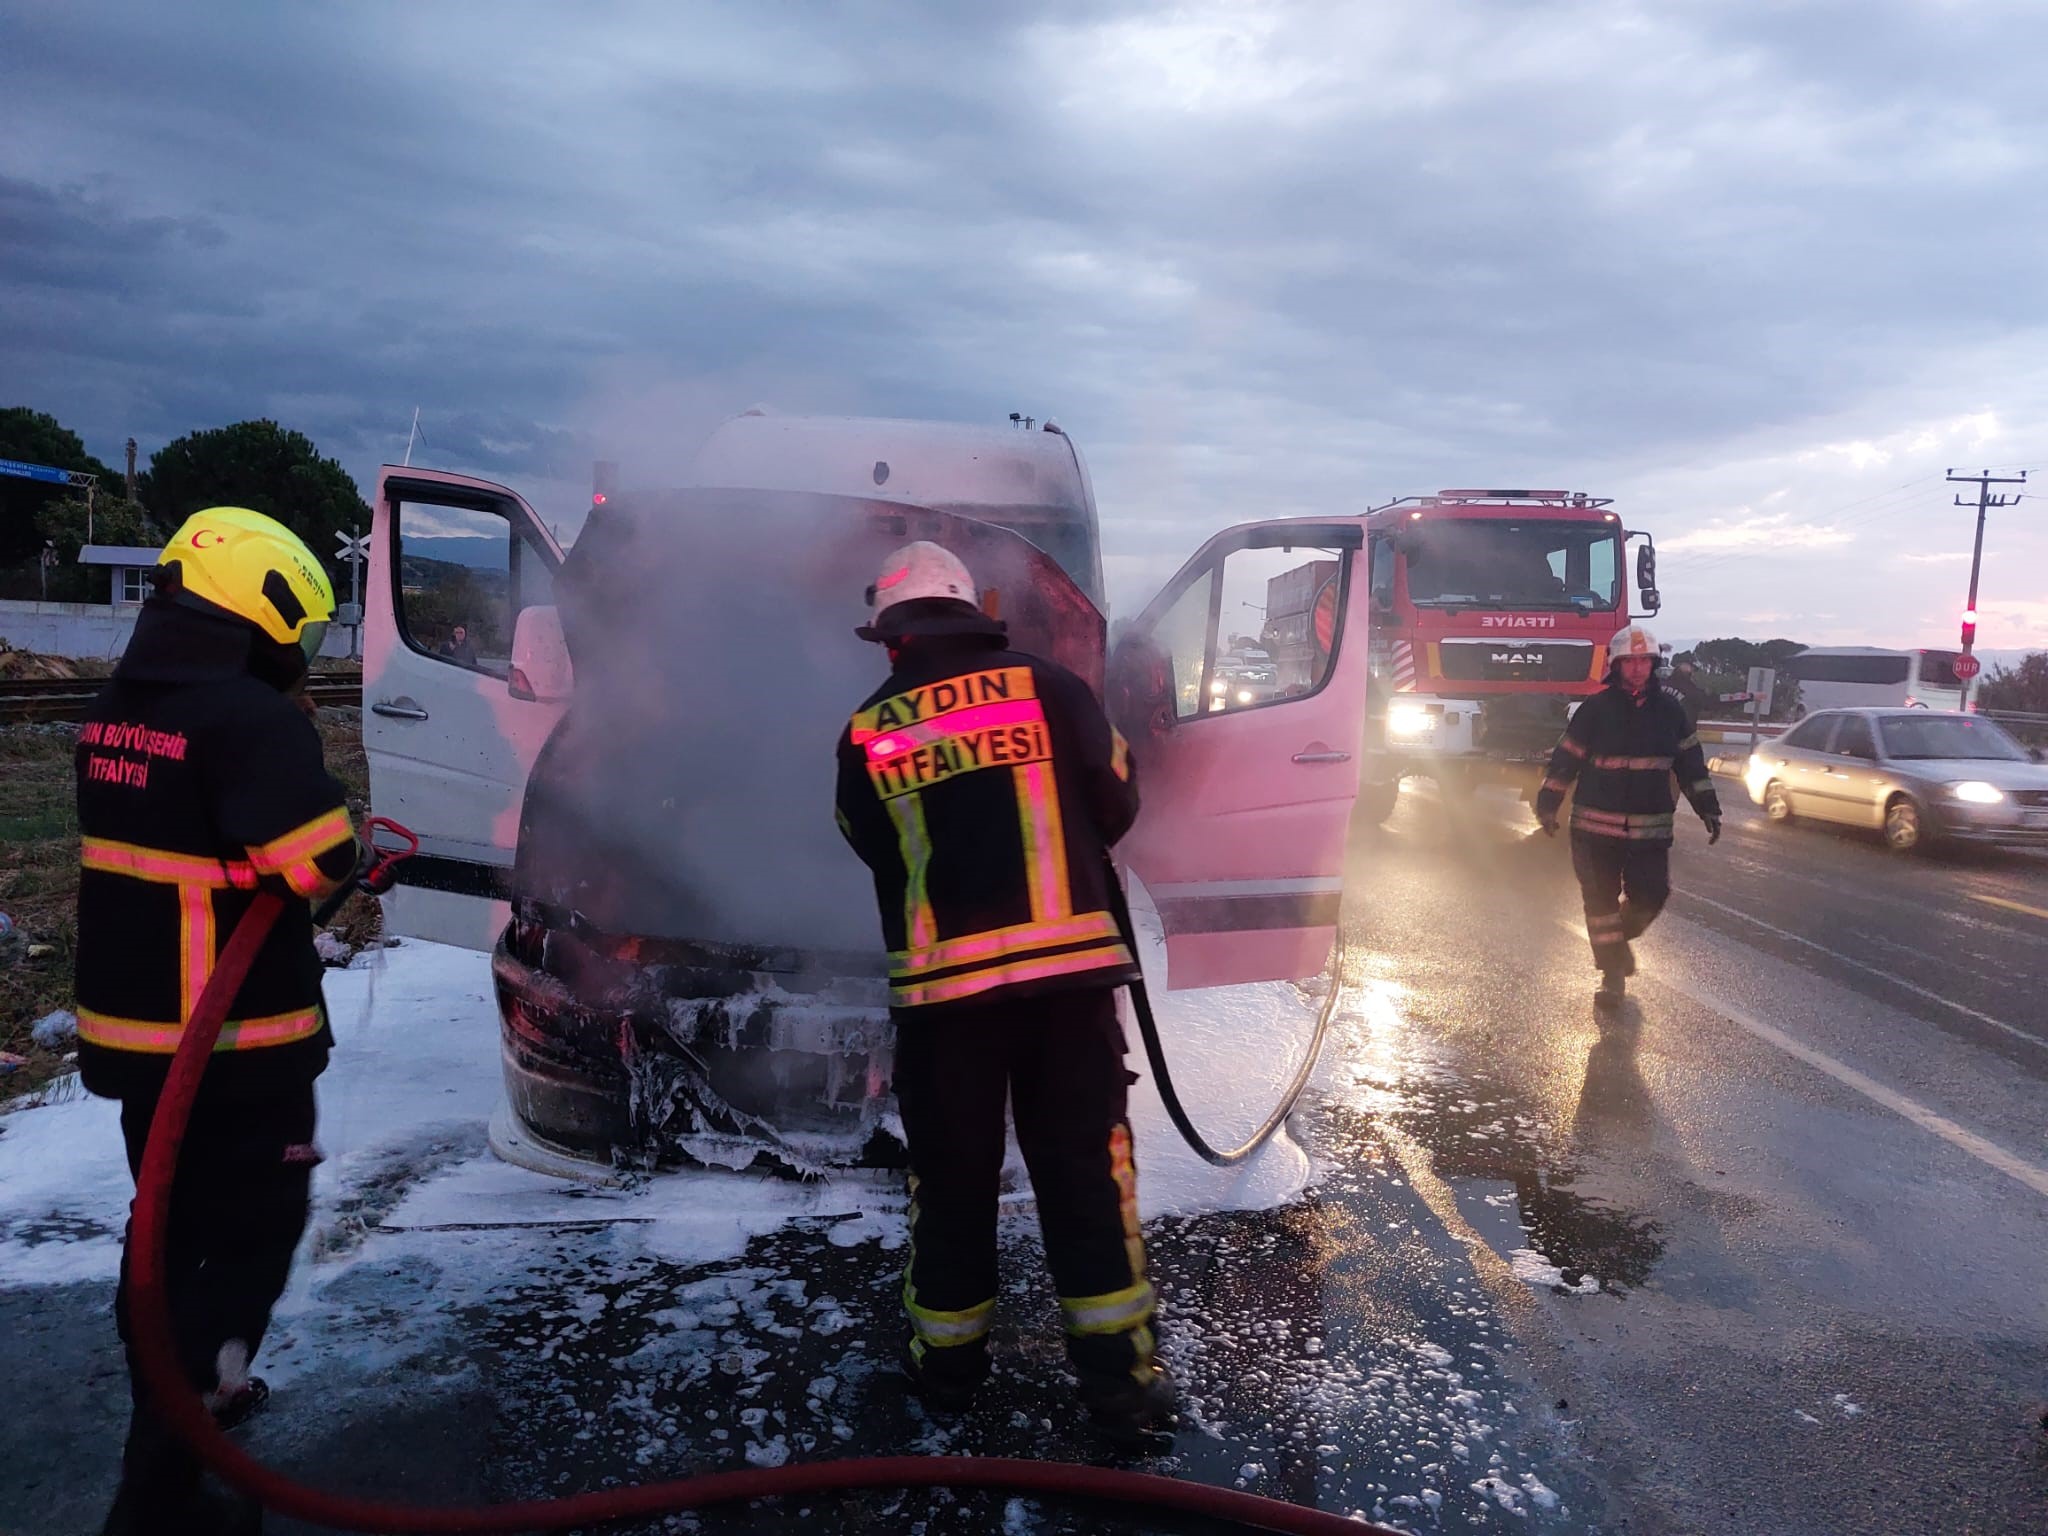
(238, 1208)
(1059, 1057)
(1624, 883)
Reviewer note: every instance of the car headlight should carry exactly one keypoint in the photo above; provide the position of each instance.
(1409, 721)
(1217, 685)
(1976, 792)
(1244, 695)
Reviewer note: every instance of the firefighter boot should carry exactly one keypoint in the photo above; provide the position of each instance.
(946, 1380)
(162, 1492)
(1613, 988)
(205, 1511)
(237, 1396)
(1135, 1411)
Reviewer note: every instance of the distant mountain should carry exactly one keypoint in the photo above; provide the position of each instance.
(477, 553)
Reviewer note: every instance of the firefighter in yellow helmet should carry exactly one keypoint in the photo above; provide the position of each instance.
(1622, 747)
(200, 783)
(983, 787)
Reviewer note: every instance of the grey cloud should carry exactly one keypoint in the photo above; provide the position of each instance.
(1443, 245)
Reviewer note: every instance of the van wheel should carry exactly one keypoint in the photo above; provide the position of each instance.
(1376, 802)
(1902, 827)
(1777, 804)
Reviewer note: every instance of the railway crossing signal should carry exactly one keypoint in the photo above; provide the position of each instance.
(355, 550)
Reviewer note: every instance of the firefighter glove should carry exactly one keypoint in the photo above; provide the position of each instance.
(1713, 830)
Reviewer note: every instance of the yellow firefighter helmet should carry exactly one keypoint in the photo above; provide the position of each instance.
(257, 569)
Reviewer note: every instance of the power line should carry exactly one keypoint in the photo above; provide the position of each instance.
(1983, 480)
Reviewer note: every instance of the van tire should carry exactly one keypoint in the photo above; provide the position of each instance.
(1376, 802)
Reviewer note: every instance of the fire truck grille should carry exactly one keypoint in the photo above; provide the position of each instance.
(1503, 661)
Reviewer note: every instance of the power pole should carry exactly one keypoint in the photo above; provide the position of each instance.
(1985, 501)
(129, 488)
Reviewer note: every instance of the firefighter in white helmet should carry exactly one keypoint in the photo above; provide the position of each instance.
(983, 789)
(1622, 748)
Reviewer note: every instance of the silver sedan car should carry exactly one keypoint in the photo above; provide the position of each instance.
(1914, 774)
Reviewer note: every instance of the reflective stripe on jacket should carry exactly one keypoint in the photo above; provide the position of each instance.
(983, 788)
(198, 786)
(1621, 750)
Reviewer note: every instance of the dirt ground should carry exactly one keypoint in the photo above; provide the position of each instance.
(39, 879)
(20, 664)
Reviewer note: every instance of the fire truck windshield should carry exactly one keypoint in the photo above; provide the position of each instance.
(1498, 563)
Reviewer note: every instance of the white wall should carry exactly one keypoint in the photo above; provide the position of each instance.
(90, 629)
(67, 629)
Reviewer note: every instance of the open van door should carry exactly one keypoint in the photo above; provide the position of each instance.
(461, 573)
(1242, 692)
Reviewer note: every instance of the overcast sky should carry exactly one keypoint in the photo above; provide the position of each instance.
(1760, 271)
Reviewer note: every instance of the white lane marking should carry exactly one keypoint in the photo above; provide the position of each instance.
(1897, 981)
(1987, 1152)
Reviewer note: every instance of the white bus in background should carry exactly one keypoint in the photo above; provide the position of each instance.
(1853, 676)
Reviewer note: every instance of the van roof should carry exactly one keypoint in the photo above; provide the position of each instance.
(930, 463)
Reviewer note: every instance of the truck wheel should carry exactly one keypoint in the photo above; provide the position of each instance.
(1376, 802)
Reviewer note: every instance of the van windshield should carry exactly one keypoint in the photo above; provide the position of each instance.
(1061, 531)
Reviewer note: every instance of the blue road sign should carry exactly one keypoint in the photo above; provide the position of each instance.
(35, 472)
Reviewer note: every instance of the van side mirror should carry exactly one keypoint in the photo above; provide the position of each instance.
(541, 670)
(1383, 579)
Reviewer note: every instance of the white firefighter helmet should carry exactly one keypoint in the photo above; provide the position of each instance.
(934, 578)
(1634, 641)
(923, 569)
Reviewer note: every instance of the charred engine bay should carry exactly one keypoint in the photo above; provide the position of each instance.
(694, 971)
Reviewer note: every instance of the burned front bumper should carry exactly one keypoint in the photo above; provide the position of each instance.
(650, 1053)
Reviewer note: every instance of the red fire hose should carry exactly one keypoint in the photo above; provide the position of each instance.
(185, 1412)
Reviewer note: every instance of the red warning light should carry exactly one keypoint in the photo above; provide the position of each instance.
(597, 498)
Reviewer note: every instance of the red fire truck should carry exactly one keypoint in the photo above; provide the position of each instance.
(1491, 614)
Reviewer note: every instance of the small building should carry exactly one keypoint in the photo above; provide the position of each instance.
(128, 566)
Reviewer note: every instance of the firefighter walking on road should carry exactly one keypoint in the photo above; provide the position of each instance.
(200, 782)
(1622, 748)
(983, 788)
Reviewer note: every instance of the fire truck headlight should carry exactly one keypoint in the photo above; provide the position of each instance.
(1409, 722)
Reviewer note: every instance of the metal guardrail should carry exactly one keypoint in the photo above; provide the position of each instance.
(28, 699)
(2029, 729)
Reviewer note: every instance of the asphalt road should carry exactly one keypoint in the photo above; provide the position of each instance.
(1810, 1165)
(1764, 1253)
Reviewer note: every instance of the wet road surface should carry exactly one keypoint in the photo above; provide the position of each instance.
(1806, 1166)
(1762, 1253)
